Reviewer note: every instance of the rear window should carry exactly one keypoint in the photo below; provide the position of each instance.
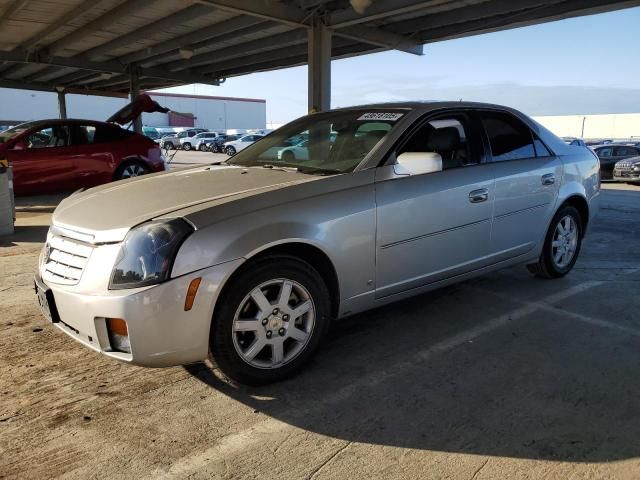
(105, 134)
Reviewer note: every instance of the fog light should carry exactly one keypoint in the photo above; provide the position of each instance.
(118, 335)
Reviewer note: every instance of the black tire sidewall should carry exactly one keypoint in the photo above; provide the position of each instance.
(547, 259)
(220, 337)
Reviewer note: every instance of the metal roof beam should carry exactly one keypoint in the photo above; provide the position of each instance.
(185, 76)
(182, 16)
(297, 17)
(123, 10)
(11, 8)
(65, 19)
(215, 32)
(44, 87)
(293, 37)
(383, 10)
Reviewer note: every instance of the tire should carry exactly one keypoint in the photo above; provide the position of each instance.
(288, 157)
(230, 151)
(131, 170)
(186, 146)
(169, 145)
(214, 148)
(548, 265)
(202, 147)
(228, 346)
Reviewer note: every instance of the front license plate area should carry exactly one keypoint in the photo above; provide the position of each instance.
(46, 301)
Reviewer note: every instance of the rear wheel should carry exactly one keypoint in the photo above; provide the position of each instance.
(186, 146)
(562, 245)
(270, 320)
(214, 148)
(230, 151)
(202, 147)
(169, 145)
(131, 169)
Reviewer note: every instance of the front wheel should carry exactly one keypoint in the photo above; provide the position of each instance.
(186, 146)
(202, 147)
(270, 320)
(561, 246)
(230, 151)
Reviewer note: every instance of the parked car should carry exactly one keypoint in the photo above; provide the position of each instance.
(58, 155)
(235, 146)
(627, 170)
(611, 154)
(199, 142)
(250, 261)
(188, 142)
(172, 141)
(576, 142)
(294, 152)
(215, 145)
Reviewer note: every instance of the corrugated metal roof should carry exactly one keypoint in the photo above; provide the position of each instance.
(92, 44)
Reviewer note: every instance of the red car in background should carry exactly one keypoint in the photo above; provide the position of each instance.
(58, 155)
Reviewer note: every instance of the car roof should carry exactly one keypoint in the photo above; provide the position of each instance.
(67, 121)
(428, 105)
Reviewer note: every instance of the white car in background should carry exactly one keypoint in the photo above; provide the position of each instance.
(231, 148)
(295, 152)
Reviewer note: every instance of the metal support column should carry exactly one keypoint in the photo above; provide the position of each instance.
(319, 59)
(62, 103)
(134, 92)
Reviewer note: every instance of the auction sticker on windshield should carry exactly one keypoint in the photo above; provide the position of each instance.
(389, 116)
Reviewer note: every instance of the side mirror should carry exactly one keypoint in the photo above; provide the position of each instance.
(418, 163)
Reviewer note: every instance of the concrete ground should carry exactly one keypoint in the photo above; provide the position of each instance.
(504, 376)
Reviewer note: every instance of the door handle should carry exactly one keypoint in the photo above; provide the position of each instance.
(479, 196)
(548, 179)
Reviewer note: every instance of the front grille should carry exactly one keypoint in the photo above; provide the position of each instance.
(65, 260)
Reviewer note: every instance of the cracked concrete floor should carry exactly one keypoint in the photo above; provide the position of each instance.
(502, 376)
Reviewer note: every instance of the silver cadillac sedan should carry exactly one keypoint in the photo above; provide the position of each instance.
(249, 260)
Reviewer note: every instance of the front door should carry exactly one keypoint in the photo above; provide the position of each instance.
(43, 161)
(527, 176)
(437, 225)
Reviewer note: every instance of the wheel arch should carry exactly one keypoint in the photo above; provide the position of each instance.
(579, 203)
(303, 251)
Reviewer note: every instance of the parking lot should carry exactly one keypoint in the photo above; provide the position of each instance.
(504, 375)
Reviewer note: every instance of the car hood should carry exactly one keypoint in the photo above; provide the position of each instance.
(108, 212)
(143, 103)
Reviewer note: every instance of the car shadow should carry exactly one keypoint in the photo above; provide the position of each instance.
(25, 234)
(411, 375)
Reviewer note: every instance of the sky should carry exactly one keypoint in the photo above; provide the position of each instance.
(585, 65)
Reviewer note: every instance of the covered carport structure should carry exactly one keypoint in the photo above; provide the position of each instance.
(123, 46)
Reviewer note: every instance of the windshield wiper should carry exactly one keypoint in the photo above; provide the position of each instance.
(278, 167)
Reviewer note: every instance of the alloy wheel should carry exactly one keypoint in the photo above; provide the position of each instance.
(564, 242)
(133, 170)
(273, 323)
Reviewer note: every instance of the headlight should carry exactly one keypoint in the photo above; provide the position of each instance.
(147, 254)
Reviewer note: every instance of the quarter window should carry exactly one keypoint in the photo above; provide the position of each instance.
(625, 152)
(509, 138)
(541, 150)
(605, 152)
(84, 134)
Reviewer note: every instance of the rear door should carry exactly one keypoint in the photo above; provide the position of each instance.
(436, 225)
(94, 155)
(607, 162)
(528, 177)
(43, 161)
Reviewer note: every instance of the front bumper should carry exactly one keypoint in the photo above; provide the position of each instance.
(627, 175)
(161, 333)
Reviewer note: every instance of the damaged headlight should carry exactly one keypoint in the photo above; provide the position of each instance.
(147, 253)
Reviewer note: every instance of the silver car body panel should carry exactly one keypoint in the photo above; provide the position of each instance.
(388, 235)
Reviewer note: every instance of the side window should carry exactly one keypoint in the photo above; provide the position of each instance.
(605, 152)
(106, 134)
(509, 138)
(56, 136)
(446, 135)
(84, 134)
(624, 152)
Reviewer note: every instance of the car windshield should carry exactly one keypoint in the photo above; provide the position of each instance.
(327, 143)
